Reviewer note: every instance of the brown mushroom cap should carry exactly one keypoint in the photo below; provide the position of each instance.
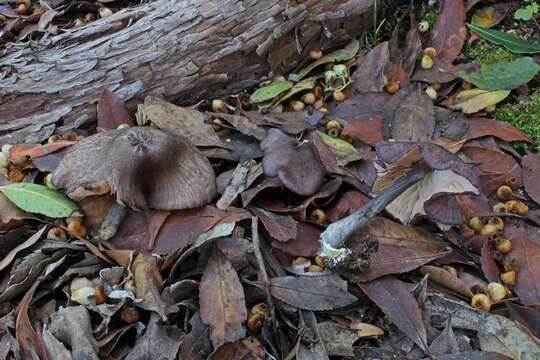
(145, 167)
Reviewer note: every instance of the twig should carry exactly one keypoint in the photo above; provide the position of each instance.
(338, 232)
(264, 274)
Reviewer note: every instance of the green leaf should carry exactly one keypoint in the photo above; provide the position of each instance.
(509, 41)
(303, 85)
(269, 92)
(39, 199)
(524, 14)
(471, 101)
(337, 56)
(503, 75)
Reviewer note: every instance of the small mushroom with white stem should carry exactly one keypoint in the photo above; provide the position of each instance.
(145, 167)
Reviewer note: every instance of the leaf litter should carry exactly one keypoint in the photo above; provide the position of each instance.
(397, 217)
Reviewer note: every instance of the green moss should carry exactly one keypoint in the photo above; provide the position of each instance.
(482, 52)
(428, 13)
(524, 115)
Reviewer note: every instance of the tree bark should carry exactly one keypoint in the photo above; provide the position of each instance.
(177, 49)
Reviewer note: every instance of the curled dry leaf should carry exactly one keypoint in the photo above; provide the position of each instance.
(296, 164)
(113, 162)
(148, 281)
(221, 297)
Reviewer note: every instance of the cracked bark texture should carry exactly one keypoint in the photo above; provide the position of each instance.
(180, 50)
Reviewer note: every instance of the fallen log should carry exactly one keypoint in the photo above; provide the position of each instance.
(178, 50)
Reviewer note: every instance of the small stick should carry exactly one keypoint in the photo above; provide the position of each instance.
(262, 268)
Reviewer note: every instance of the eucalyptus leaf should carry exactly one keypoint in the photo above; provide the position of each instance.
(511, 42)
(269, 92)
(39, 199)
(471, 101)
(303, 85)
(503, 75)
(337, 56)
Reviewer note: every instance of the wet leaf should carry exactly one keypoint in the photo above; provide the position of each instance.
(337, 56)
(449, 31)
(39, 199)
(503, 75)
(471, 101)
(269, 92)
(399, 305)
(182, 121)
(401, 248)
(510, 41)
(222, 301)
(531, 176)
(310, 293)
(111, 111)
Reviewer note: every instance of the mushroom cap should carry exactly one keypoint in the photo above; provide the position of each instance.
(145, 167)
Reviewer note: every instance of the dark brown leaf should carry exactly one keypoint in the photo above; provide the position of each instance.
(409, 116)
(371, 73)
(221, 297)
(479, 127)
(361, 106)
(399, 305)
(528, 316)
(280, 227)
(111, 111)
(148, 281)
(531, 176)
(306, 242)
(449, 31)
(369, 131)
(248, 348)
(311, 293)
(443, 208)
(401, 248)
(488, 264)
(350, 201)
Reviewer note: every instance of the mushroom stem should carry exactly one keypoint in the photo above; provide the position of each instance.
(112, 221)
(335, 235)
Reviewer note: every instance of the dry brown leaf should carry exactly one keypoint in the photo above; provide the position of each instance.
(222, 301)
(148, 281)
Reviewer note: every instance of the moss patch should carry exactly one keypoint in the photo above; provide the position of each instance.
(524, 115)
(482, 52)
(428, 13)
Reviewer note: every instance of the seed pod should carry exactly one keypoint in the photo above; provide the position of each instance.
(452, 270)
(260, 309)
(319, 260)
(508, 278)
(318, 92)
(431, 52)
(333, 128)
(511, 264)
(339, 96)
(297, 105)
(512, 182)
(76, 229)
(318, 104)
(340, 69)
(498, 222)
(315, 54)
(254, 323)
(496, 291)
(57, 233)
(427, 62)
(90, 17)
(308, 98)
(99, 295)
(423, 26)
(392, 87)
(476, 223)
(520, 208)
(15, 174)
(436, 86)
(481, 301)
(432, 93)
(21, 9)
(219, 106)
(503, 245)
(104, 12)
(48, 181)
(510, 206)
(505, 193)
(124, 126)
(318, 216)
(488, 230)
(299, 261)
(217, 125)
(79, 22)
(499, 208)
(130, 315)
(313, 268)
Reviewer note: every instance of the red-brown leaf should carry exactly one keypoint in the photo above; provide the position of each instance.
(449, 31)
(221, 297)
(399, 305)
(111, 111)
(368, 130)
(20, 152)
(531, 176)
(306, 242)
(480, 127)
(401, 248)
